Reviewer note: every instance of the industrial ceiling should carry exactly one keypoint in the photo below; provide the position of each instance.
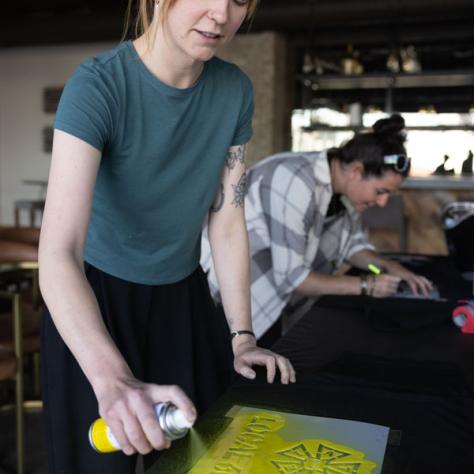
(440, 33)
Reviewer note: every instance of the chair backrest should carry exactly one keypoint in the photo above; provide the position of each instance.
(17, 252)
(390, 217)
(17, 355)
(26, 235)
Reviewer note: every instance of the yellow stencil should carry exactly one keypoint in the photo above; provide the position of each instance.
(250, 446)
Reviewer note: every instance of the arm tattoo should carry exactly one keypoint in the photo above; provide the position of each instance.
(234, 156)
(219, 200)
(239, 191)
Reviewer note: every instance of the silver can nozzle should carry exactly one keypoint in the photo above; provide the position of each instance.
(172, 421)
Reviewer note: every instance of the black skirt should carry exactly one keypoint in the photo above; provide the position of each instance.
(168, 334)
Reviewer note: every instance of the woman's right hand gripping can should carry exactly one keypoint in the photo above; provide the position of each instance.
(172, 421)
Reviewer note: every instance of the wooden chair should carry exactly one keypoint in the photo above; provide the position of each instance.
(21, 256)
(19, 327)
(25, 235)
(11, 368)
(33, 207)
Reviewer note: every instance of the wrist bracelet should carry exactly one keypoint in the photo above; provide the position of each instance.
(240, 333)
(363, 284)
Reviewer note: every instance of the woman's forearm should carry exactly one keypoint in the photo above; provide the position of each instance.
(64, 286)
(365, 257)
(316, 284)
(77, 317)
(231, 261)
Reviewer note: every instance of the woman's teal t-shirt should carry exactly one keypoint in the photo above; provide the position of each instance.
(163, 151)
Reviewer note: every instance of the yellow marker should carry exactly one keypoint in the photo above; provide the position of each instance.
(374, 269)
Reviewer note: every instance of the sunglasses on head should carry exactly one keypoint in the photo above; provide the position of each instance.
(399, 162)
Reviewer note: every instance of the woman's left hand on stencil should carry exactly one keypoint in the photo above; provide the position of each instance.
(247, 354)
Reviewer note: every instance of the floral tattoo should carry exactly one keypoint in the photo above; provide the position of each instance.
(235, 156)
(239, 191)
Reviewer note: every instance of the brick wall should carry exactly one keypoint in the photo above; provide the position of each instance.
(264, 57)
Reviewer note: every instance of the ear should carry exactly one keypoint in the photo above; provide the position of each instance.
(355, 170)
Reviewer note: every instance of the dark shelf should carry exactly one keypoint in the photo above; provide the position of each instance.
(387, 80)
(437, 128)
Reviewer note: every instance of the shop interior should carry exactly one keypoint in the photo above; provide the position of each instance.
(322, 70)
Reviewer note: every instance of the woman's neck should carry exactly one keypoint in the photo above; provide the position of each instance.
(162, 63)
(335, 171)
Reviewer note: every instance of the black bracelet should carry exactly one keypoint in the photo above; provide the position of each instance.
(363, 284)
(239, 333)
(372, 285)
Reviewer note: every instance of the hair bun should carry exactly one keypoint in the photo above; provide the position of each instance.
(389, 126)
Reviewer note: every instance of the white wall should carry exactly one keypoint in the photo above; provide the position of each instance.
(24, 73)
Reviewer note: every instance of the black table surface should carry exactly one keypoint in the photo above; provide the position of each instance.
(339, 325)
(326, 334)
(419, 382)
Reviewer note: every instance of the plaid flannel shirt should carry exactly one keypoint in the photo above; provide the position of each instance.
(289, 234)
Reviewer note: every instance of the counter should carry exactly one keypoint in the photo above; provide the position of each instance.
(439, 182)
(424, 199)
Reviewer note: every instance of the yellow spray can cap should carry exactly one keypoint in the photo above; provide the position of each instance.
(101, 437)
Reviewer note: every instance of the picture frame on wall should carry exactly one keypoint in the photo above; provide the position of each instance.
(48, 139)
(51, 96)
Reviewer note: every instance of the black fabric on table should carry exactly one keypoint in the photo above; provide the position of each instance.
(395, 314)
(325, 333)
(437, 378)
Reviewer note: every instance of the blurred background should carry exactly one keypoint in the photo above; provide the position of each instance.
(321, 69)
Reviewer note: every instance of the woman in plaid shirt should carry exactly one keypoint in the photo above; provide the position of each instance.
(303, 218)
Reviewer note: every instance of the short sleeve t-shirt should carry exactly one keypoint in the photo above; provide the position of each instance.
(163, 151)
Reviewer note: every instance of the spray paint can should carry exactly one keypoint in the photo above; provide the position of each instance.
(172, 421)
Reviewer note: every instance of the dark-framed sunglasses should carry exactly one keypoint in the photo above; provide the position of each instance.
(400, 163)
